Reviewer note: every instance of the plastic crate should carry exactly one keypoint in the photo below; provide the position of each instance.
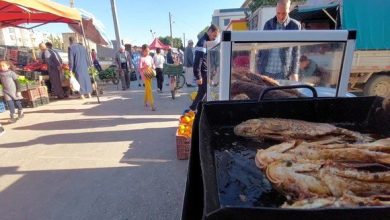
(31, 94)
(183, 146)
(43, 91)
(45, 100)
(31, 104)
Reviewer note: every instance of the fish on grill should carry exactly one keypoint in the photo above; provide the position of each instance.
(316, 179)
(348, 200)
(290, 129)
(374, 152)
(252, 85)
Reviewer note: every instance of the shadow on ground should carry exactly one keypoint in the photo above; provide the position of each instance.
(149, 186)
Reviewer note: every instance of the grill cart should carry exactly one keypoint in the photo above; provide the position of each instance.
(223, 181)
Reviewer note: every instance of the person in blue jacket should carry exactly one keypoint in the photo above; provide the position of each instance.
(200, 64)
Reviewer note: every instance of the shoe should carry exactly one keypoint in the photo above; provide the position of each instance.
(143, 85)
(12, 120)
(154, 109)
(20, 114)
(189, 85)
(123, 89)
(89, 95)
(139, 85)
(82, 97)
(173, 94)
(2, 131)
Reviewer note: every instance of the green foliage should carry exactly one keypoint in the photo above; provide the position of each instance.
(107, 74)
(56, 41)
(255, 4)
(177, 42)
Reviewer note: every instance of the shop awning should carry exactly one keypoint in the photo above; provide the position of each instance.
(94, 29)
(316, 11)
(158, 44)
(17, 12)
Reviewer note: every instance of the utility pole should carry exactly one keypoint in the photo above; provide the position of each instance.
(71, 3)
(184, 40)
(116, 24)
(170, 27)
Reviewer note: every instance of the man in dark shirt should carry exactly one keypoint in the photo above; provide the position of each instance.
(200, 65)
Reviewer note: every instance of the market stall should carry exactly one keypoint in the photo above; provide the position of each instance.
(261, 150)
(38, 12)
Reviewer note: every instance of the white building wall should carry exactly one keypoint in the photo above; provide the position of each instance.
(20, 37)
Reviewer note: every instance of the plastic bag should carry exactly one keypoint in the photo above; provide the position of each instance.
(150, 73)
(74, 84)
(133, 76)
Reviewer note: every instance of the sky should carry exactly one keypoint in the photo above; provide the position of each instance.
(137, 17)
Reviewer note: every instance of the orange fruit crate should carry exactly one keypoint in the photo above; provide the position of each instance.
(183, 146)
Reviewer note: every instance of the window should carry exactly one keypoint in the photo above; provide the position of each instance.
(11, 30)
(226, 22)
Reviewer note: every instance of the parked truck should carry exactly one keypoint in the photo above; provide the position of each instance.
(371, 62)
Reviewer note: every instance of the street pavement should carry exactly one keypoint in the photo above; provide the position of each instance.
(77, 159)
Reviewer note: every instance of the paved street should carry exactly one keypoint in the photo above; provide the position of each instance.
(77, 159)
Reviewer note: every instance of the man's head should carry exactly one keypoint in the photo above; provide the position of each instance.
(42, 47)
(190, 43)
(213, 32)
(49, 45)
(282, 10)
(303, 62)
(158, 50)
(122, 48)
(72, 40)
(93, 50)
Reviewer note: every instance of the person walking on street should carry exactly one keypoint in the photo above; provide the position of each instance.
(54, 68)
(78, 64)
(147, 68)
(159, 61)
(123, 60)
(170, 59)
(12, 95)
(280, 63)
(95, 60)
(200, 65)
(135, 59)
(188, 63)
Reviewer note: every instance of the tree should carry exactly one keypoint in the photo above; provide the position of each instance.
(201, 33)
(255, 4)
(56, 41)
(176, 42)
(165, 40)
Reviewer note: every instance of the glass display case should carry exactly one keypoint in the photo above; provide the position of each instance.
(245, 63)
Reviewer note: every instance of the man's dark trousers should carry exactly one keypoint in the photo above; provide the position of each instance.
(202, 90)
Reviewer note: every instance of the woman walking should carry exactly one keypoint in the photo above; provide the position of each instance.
(146, 68)
(159, 61)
